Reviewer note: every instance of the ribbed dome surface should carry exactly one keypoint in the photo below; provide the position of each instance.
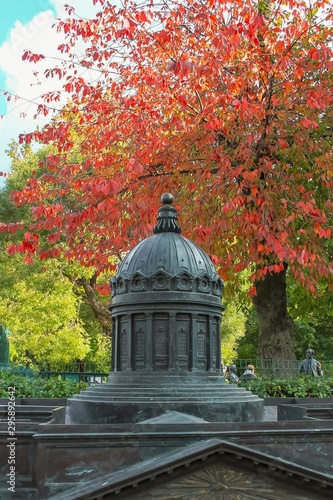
(166, 262)
(169, 252)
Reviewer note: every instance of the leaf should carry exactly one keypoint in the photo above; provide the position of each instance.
(31, 57)
(28, 259)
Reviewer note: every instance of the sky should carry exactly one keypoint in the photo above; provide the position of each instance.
(27, 25)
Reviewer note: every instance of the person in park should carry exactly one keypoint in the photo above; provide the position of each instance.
(310, 366)
(232, 377)
(248, 374)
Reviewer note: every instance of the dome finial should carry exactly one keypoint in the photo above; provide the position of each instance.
(167, 217)
(167, 199)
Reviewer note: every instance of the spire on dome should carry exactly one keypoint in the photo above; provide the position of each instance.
(167, 217)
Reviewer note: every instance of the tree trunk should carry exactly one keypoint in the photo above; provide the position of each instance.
(102, 314)
(276, 327)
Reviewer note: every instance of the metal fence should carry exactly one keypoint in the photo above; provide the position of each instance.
(77, 372)
(92, 373)
(283, 368)
(70, 367)
(88, 377)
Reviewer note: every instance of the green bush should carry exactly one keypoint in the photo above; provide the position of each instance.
(36, 387)
(301, 387)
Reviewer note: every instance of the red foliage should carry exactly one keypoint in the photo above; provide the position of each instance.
(229, 110)
(29, 56)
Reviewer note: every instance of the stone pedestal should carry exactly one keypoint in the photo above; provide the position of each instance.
(135, 397)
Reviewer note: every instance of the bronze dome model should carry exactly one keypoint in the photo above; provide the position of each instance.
(166, 348)
(166, 297)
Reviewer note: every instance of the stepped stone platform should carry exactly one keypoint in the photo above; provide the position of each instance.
(132, 398)
(306, 409)
(34, 410)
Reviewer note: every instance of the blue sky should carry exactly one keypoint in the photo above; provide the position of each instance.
(23, 10)
(11, 12)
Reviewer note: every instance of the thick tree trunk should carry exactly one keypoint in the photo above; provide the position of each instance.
(276, 327)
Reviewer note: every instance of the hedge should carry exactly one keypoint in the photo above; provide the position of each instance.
(300, 387)
(36, 387)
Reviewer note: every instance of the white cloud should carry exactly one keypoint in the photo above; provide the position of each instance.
(39, 37)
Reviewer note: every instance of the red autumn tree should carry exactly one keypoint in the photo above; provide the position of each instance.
(228, 106)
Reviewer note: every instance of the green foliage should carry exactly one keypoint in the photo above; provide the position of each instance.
(41, 311)
(301, 387)
(304, 337)
(36, 387)
(248, 345)
(313, 321)
(313, 324)
(24, 161)
(100, 352)
(232, 331)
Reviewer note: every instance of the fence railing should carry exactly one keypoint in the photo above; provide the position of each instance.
(279, 367)
(77, 372)
(76, 367)
(89, 377)
(92, 373)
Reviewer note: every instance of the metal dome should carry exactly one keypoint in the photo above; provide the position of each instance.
(167, 261)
